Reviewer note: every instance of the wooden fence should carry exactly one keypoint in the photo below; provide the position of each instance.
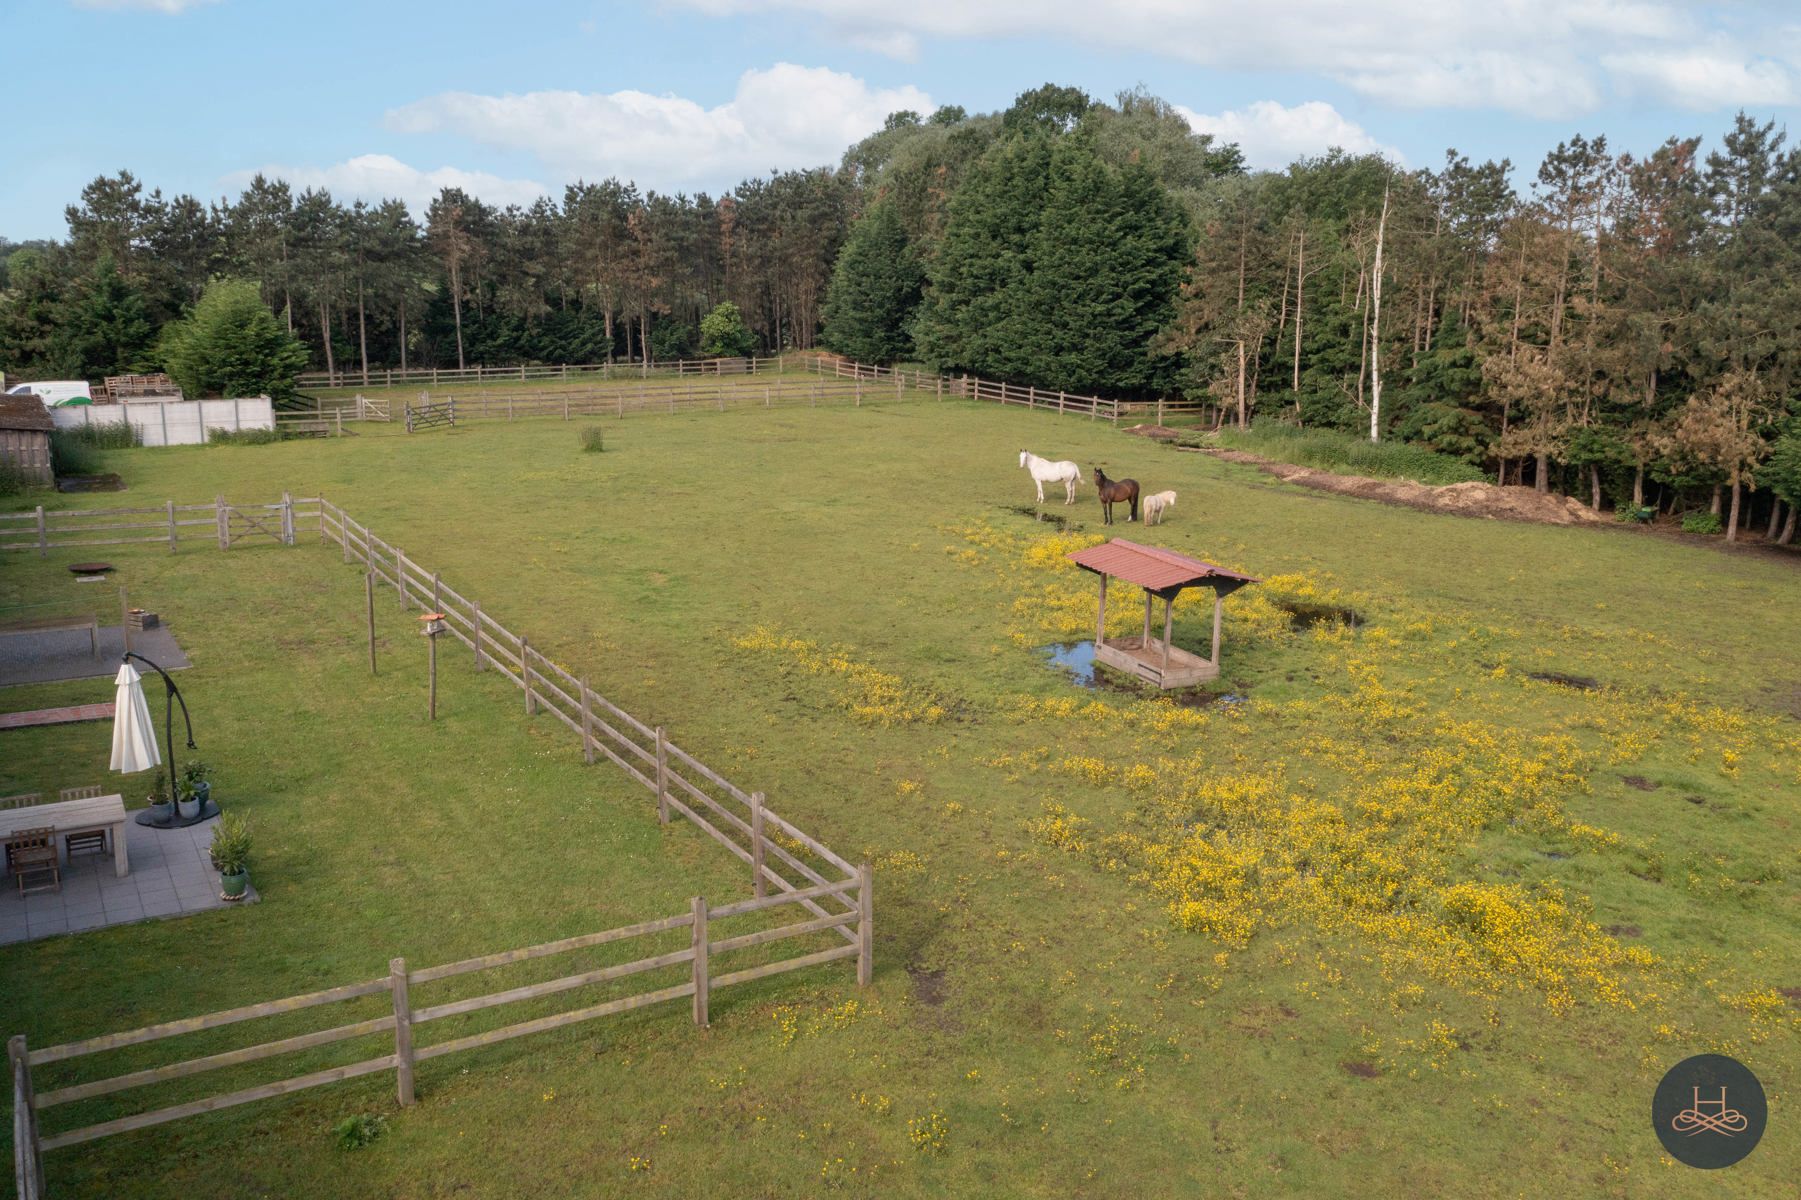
(427, 415)
(619, 400)
(970, 387)
(44, 530)
(787, 867)
(385, 377)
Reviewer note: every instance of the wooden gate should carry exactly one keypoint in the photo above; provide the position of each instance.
(240, 522)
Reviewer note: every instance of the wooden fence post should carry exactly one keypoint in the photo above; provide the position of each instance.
(700, 961)
(222, 515)
(662, 777)
(171, 510)
(865, 927)
(28, 1163)
(756, 843)
(369, 603)
(475, 634)
(525, 675)
(403, 1031)
(287, 518)
(587, 724)
(343, 529)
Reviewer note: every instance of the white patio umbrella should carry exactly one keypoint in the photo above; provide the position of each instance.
(134, 737)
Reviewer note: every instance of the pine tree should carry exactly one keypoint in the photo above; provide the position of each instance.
(232, 345)
(875, 291)
(105, 328)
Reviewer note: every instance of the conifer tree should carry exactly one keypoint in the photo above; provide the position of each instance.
(875, 291)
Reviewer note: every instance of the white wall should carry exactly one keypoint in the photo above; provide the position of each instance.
(173, 422)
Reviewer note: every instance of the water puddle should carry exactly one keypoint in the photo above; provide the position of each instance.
(1076, 659)
(1056, 520)
(1306, 616)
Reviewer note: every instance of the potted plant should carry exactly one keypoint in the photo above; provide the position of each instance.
(231, 855)
(187, 805)
(161, 805)
(197, 776)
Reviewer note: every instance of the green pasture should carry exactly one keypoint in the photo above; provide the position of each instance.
(1103, 967)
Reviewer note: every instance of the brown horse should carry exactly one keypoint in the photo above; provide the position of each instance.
(1115, 491)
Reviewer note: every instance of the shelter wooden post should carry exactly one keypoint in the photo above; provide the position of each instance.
(403, 1031)
(700, 961)
(1100, 622)
(662, 777)
(1169, 618)
(865, 926)
(525, 676)
(756, 843)
(475, 634)
(587, 724)
(1219, 602)
(1144, 642)
(369, 603)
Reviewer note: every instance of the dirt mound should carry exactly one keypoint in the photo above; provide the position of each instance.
(1161, 433)
(1463, 499)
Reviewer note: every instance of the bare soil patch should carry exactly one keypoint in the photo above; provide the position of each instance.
(1459, 499)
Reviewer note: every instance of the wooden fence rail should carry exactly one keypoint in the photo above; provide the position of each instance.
(44, 530)
(618, 401)
(970, 387)
(389, 376)
(787, 867)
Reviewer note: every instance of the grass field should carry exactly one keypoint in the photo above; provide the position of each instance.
(1406, 921)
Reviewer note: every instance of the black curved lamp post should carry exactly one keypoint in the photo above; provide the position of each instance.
(172, 696)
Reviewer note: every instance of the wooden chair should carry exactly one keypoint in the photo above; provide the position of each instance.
(33, 852)
(93, 842)
(22, 800)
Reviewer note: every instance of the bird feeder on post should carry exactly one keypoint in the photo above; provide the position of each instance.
(431, 625)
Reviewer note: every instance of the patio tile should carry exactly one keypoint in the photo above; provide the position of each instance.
(77, 924)
(161, 906)
(48, 926)
(133, 911)
(78, 908)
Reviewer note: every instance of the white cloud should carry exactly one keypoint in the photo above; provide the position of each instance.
(1273, 135)
(786, 116)
(1701, 78)
(376, 177)
(171, 7)
(1545, 58)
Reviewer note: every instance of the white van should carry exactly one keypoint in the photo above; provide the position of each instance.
(55, 393)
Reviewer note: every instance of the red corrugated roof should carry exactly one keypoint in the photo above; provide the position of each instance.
(1151, 566)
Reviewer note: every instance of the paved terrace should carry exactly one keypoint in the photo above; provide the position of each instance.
(171, 876)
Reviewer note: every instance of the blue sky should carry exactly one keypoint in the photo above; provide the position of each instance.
(371, 97)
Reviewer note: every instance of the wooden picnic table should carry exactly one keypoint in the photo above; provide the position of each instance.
(74, 816)
(90, 623)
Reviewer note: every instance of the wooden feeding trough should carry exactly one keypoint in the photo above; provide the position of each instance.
(1162, 574)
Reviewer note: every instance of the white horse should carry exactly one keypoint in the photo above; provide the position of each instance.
(1155, 503)
(1045, 471)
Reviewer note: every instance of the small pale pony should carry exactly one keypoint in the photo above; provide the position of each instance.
(1045, 471)
(1155, 503)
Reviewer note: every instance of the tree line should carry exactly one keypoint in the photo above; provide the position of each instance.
(1626, 328)
(608, 272)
